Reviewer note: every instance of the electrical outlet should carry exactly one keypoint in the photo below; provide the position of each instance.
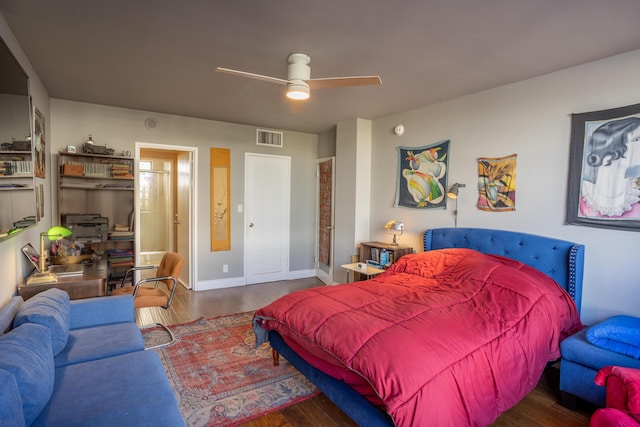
(225, 268)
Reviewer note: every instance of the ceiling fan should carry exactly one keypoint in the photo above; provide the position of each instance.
(299, 82)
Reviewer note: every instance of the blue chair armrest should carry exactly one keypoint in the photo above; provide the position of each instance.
(101, 311)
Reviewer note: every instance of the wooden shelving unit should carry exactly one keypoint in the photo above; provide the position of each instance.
(90, 184)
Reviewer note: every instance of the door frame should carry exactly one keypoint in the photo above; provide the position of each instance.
(193, 205)
(287, 215)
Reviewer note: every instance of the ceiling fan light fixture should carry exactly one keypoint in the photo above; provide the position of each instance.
(298, 90)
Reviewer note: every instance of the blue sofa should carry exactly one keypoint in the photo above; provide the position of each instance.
(581, 359)
(79, 363)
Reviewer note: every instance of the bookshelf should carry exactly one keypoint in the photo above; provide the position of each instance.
(102, 185)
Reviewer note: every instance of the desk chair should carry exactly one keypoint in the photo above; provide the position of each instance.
(152, 296)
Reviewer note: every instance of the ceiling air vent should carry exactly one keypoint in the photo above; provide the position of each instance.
(270, 138)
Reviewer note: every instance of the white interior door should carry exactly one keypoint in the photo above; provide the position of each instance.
(267, 204)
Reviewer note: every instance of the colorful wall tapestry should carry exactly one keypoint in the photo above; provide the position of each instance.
(422, 176)
(220, 199)
(497, 184)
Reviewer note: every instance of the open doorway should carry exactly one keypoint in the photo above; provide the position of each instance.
(165, 205)
(325, 219)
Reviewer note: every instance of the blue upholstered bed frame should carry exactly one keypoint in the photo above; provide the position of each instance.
(561, 260)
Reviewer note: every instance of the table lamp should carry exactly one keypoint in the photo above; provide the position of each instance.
(396, 228)
(43, 276)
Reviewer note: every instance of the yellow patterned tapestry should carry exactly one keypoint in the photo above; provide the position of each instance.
(497, 184)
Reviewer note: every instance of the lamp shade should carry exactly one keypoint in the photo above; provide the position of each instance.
(57, 232)
(453, 190)
(396, 228)
(298, 90)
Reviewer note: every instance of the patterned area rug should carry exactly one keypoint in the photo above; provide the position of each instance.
(220, 378)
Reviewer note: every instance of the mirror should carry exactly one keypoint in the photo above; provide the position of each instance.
(17, 194)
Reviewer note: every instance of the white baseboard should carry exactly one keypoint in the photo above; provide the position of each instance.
(208, 285)
(300, 274)
(232, 282)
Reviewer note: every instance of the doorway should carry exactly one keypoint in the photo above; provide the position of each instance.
(267, 204)
(325, 217)
(165, 206)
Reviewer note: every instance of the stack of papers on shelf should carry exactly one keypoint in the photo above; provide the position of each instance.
(120, 235)
(120, 232)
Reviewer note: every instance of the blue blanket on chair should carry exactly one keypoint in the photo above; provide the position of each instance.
(618, 333)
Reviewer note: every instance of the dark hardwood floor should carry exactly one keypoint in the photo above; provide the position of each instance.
(541, 407)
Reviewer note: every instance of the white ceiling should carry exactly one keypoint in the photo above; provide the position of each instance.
(159, 55)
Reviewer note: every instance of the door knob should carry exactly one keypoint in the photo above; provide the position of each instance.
(250, 225)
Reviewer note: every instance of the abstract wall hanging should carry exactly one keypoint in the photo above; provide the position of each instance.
(497, 184)
(220, 199)
(604, 169)
(422, 176)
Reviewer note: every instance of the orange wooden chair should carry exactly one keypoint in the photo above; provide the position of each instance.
(154, 296)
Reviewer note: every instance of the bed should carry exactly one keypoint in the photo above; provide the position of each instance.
(431, 341)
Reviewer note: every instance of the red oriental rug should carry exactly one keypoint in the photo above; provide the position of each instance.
(220, 378)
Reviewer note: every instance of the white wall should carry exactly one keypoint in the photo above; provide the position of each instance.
(532, 119)
(121, 128)
(13, 265)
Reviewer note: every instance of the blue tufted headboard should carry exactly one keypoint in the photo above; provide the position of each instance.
(561, 260)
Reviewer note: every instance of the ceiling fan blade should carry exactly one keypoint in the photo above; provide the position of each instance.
(252, 75)
(331, 82)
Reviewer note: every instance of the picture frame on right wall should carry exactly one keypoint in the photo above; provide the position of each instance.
(604, 169)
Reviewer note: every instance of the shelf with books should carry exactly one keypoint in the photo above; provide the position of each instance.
(104, 185)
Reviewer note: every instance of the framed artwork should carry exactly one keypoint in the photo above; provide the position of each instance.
(497, 184)
(422, 176)
(39, 165)
(220, 199)
(604, 169)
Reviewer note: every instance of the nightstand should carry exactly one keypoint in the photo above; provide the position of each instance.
(368, 271)
(371, 251)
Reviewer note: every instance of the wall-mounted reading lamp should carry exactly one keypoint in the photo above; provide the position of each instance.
(453, 194)
(43, 276)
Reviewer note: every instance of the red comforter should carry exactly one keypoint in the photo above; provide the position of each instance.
(445, 338)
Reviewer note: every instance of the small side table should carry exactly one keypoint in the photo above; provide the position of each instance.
(369, 271)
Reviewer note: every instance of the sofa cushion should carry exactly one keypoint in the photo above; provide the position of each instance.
(8, 312)
(51, 309)
(577, 349)
(99, 342)
(10, 401)
(26, 353)
(127, 390)
(618, 333)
